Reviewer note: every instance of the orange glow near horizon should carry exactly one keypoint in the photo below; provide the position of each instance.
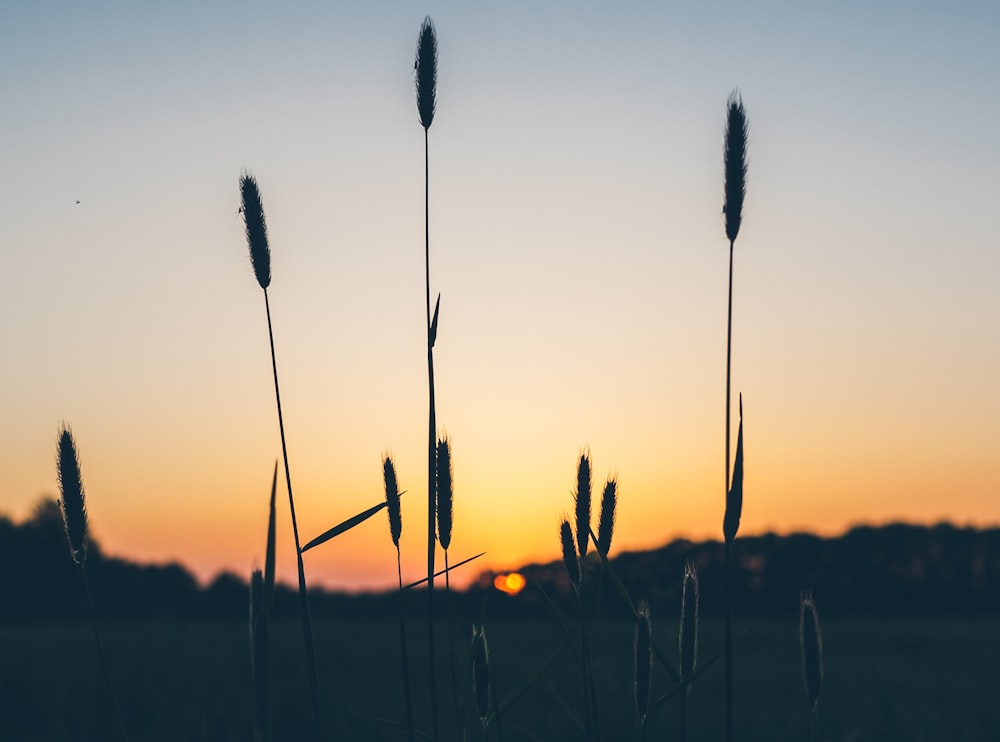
(580, 257)
(511, 584)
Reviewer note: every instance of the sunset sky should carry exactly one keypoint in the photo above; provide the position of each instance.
(577, 242)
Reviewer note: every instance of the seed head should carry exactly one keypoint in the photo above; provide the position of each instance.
(481, 678)
(253, 217)
(570, 559)
(425, 72)
(812, 647)
(445, 492)
(736, 163)
(582, 496)
(392, 499)
(72, 502)
(643, 659)
(688, 634)
(606, 525)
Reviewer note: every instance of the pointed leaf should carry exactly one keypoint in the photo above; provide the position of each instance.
(269, 558)
(342, 527)
(734, 499)
(434, 322)
(438, 574)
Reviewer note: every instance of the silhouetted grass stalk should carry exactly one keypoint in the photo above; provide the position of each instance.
(812, 657)
(425, 68)
(606, 530)
(260, 659)
(73, 505)
(574, 569)
(735, 159)
(643, 664)
(583, 497)
(445, 507)
(687, 640)
(260, 257)
(482, 680)
(392, 494)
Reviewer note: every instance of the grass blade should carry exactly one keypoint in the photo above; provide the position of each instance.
(449, 569)
(434, 322)
(269, 559)
(343, 527)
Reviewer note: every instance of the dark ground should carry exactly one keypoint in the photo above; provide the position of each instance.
(884, 680)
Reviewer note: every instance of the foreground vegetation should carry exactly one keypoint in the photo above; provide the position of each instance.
(581, 672)
(899, 680)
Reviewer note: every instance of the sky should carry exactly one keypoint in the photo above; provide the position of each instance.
(577, 242)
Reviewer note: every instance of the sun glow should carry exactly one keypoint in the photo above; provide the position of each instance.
(511, 584)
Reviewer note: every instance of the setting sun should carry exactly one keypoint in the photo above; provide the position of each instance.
(511, 584)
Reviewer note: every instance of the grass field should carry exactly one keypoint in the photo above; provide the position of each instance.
(884, 680)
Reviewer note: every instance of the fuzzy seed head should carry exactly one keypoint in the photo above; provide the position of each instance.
(72, 502)
(425, 72)
(392, 499)
(481, 678)
(688, 634)
(643, 659)
(812, 648)
(583, 496)
(570, 558)
(737, 135)
(256, 228)
(606, 525)
(445, 493)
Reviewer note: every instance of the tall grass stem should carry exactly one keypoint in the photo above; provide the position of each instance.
(735, 162)
(307, 630)
(407, 692)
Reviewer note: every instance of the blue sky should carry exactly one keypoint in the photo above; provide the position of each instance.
(577, 242)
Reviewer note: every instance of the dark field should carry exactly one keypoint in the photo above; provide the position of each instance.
(884, 680)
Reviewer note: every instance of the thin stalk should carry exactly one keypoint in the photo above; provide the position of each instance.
(431, 444)
(496, 711)
(587, 713)
(591, 723)
(592, 689)
(642, 730)
(100, 652)
(729, 547)
(407, 697)
(450, 610)
(683, 717)
(303, 596)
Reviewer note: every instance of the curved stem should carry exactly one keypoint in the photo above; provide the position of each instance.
(431, 445)
(729, 547)
(303, 596)
(402, 643)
